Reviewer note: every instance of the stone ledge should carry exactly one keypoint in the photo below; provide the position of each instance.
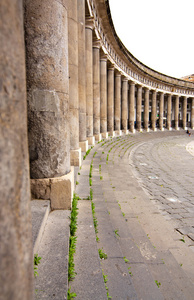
(58, 190)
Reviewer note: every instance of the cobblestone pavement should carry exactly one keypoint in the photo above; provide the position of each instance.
(165, 168)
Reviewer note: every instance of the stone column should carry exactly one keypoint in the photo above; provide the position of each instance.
(48, 101)
(138, 109)
(16, 259)
(82, 75)
(117, 106)
(75, 153)
(124, 100)
(192, 113)
(161, 113)
(96, 89)
(89, 81)
(176, 113)
(110, 100)
(131, 106)
(103, 95)
(146, 109)
(184, 112)
(169, 111)
(153, 114)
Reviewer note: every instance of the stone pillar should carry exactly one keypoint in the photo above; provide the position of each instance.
(161, 113)
(138, 108)
(192, 113)
(117, 106)
(131, 106)
(146, 109)
(96, 89)
(153, 114)
(82, 75)
(48, 101)
(176, 113)
(169, 111)
(75, 154)
(110, 100)
(89, 81)
(184, 112)
(103, 95)
(16, 259)
(124, 100)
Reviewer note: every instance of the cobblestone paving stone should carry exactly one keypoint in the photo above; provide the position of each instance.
(165, 168)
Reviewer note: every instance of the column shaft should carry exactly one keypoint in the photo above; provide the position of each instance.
(161, 113)
(131, 107)
(153, 114)
(146, 109)
(176, 112)
(81, 74)
(184, 112)
(103, 94)
(89, 77)
(138, 108)
(73, 83)
(124, 111)
(110, 100)
(96, 86)
(169, 111)
(192, 113)
(48, 88)
(16, 259)
(117, 106)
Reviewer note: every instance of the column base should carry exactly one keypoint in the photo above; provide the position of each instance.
(104, 135)
(118, 132)
(125, 131)
(177, 128)
(91, 140)
(154, 129)
(169, 128)
(98, 137)
(111, 133)
(185, 128)
(58, 190)
(84, 146)
(162, 129)
(75, 157)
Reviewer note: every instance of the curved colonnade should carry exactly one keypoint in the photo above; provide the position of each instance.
(71, 83)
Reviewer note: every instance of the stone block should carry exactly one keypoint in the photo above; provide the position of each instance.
(98, 137)
(75, 157)
(105, 135)
(91, 140)
(58, 190)
(84, 146)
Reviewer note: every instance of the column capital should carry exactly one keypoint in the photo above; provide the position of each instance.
(117, 73)
(89, 23)
(131, 83)
(96, 43)
(103, 56)
(111, 66)
(123, 78)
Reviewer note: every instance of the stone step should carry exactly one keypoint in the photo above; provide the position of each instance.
(52, 282)
(40, 210)
(88, 283)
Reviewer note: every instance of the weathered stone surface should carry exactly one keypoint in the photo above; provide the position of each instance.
(48, 87)
(16, 276)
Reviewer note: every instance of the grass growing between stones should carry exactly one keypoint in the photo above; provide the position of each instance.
(72, 244)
